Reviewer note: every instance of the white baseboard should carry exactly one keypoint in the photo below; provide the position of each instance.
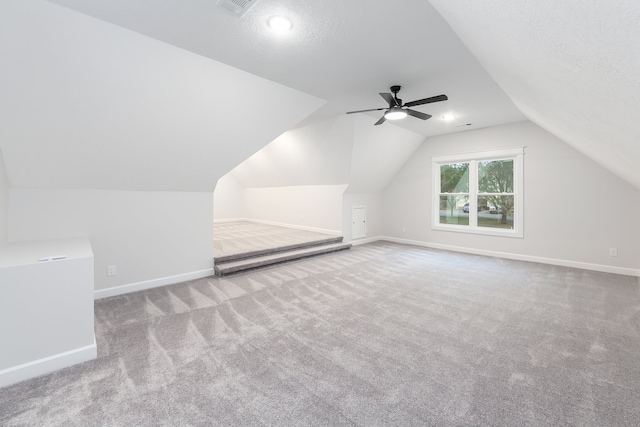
(518, 257)
(364, 240)
(148, 284)
(48, 364)
(282, 224)
(222, 221)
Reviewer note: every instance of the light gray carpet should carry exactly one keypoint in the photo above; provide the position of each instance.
(382, 334)
(230, 238)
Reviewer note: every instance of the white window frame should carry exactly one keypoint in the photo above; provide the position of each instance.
(517, 155)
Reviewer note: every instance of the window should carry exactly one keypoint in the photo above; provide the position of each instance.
(479, 193)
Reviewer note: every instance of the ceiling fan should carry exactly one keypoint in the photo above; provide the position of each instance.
(397, 110)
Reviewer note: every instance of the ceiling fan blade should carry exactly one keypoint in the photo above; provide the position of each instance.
(418, 114)
(390, 99)
(427, 100)
(381, 121)
(364, 111)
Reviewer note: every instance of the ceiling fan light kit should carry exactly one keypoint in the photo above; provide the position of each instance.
(397, 110)
(395, 113)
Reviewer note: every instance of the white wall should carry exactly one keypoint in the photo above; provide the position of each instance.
(318, 154)
(147, 235)
(228, 199)
(296, 180)
(373, 203)
(574, 208)
(4, 202)
(311, 206)
(378, 153)
(299, 177)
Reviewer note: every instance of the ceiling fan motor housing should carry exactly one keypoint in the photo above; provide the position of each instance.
(398, 110)
(395, 89)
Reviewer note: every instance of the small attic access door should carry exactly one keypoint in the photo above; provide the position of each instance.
(358, 222)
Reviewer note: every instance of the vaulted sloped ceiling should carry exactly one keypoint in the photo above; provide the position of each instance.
(87, 104)
(150, 94)
(378, 154)
(572, 67)
(316, 154)
(345, 52)
(342, 150)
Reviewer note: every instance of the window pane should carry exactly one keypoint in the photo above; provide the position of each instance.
(495, 211)
(454, 178)
(454, 209)
(495, 176)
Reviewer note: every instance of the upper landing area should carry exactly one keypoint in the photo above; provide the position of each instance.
(244, 245)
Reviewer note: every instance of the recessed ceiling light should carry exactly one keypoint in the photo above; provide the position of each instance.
(279, 23)
(448, 117)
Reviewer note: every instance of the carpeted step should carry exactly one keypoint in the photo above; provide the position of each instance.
(269, 251)
(231, 267)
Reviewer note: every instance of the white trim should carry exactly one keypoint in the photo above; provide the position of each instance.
(154, 283)
(358, 242)
(518, 257)
(485, 231)
(48, 364)
(475, 155)
(515, 153)
(222, 221)
(282, 224)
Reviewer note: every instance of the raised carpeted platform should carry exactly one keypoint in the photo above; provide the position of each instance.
(242, 245)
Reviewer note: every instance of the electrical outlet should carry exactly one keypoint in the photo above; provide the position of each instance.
(404, 229)
(613, 251)
(111, 270)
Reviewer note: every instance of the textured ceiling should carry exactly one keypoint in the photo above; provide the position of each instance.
(572, 67)
(342, 51)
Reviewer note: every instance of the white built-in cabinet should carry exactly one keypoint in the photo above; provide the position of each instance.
(46, 307)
